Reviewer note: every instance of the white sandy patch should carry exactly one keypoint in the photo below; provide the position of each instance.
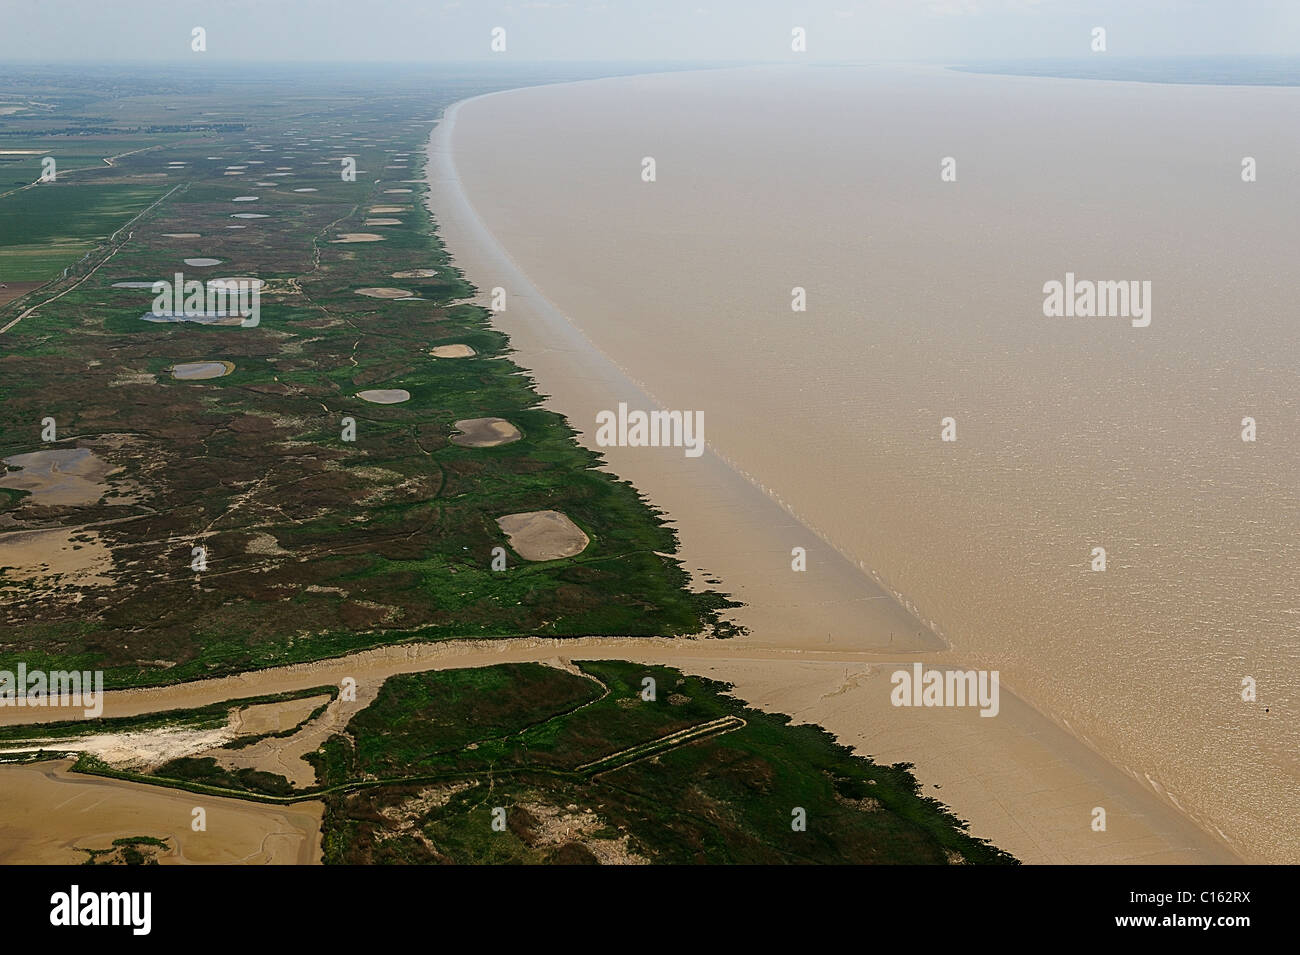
(452, 351)
(202, 370)
(132, 378)
(383, 292)
(265, 545)
(384, 396)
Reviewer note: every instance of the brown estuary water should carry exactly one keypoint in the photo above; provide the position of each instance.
(925, 301)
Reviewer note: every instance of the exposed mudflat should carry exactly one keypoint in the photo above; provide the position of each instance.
(485, 433)
(51, 811)
(39, 564)
(59, 476)
(543, 535)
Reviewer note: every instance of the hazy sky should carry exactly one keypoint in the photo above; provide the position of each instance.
(717, 30)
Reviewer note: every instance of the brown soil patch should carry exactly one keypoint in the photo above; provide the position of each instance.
(12, 290)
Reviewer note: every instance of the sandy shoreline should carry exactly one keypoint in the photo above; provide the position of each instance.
(51, 813)
(732, 530)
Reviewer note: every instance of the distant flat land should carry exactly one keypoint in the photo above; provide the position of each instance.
(1210, 70)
